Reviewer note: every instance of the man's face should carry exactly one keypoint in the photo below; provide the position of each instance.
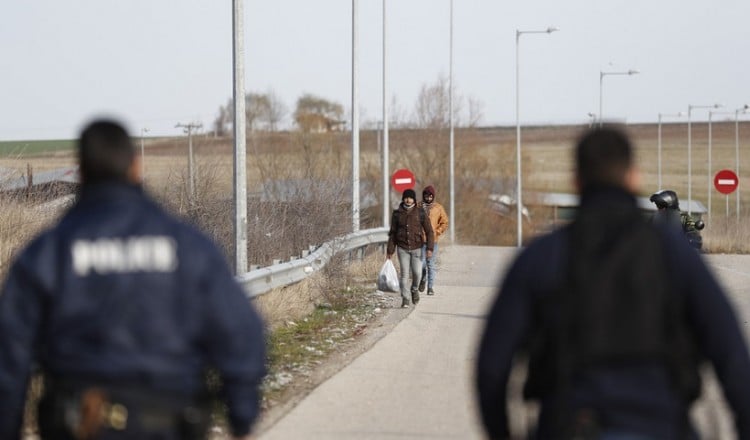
(428, 197)
(408, 200)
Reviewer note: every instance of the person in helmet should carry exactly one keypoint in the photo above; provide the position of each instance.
(668, 206)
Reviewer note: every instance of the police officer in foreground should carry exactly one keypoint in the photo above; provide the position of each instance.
(669, 212)
(615, 315)
(124, 308)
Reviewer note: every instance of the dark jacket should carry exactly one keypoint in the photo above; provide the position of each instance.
(630, 395)
(121, 292)
(410, 229)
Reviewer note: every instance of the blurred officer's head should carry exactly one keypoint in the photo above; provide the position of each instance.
(604, 157)
(106, 154)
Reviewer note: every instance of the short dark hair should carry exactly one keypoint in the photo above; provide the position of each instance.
(105, 152)
(603, 157)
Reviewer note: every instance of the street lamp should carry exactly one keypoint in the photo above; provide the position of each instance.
(143, 157)
(601, 82)
(678, 115)
(737, 112)
(690, 152)
(519, 204)
(451, 142)
(386, 160)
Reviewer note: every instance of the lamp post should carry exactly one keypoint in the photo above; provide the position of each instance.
(239, 176)
(690, 151)
(601, 83)
(355, 116)
(143, 157)
(386, 189)
(519, 204)
(658, 149)
(452, 224)
(737, 112)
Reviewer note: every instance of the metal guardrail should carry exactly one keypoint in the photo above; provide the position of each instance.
(260, 281)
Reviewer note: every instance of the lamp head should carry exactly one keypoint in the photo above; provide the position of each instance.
(552, 29)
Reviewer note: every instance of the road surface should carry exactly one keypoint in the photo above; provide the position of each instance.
(417, 382)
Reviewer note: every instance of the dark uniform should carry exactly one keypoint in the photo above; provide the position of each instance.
(124, 308)
(619, 352)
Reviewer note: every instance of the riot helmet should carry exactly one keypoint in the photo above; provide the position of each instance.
(665, 199)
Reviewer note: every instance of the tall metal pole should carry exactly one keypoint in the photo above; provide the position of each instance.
(191, 173)
(601, 87)
(191, 168)
(519, 176)
(658, 155)
(659, 147)
(690, 152)
(690, 159)
(240, 166)
(737, 157)
(386, 189)
(143, 156)
(737, 151)
(355, 122)
(452, 223)
(709, 172)
(710, 168)
(601, 83)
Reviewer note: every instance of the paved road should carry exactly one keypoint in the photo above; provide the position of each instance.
(416, 382)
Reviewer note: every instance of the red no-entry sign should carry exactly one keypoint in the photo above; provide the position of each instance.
(402, 180)
(726, 181)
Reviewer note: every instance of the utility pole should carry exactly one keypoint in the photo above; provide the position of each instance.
(240, 148)
(189, 130)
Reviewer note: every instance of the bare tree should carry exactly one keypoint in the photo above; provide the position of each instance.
(276, 111)
(432, 108)
(316, 114)
(263, 111)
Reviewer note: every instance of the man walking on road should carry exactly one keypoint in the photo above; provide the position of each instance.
(615, 314)
(124, 307)
(439, 222)
(410, 229)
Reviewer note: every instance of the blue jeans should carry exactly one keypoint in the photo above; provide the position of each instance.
(411, 264)
(428, 265)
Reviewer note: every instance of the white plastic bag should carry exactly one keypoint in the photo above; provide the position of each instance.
(388, 278)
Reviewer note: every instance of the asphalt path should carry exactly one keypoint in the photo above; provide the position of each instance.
(417, 381)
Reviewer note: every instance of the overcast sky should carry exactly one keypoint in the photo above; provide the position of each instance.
(156, 63)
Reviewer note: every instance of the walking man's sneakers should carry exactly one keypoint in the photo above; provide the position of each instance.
(415, 297)
(404, 303)
(430, 291)
(421, 284)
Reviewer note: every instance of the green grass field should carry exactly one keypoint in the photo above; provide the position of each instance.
(26, 148)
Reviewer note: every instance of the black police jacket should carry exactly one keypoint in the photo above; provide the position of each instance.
(634, 395)
(121, 292)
